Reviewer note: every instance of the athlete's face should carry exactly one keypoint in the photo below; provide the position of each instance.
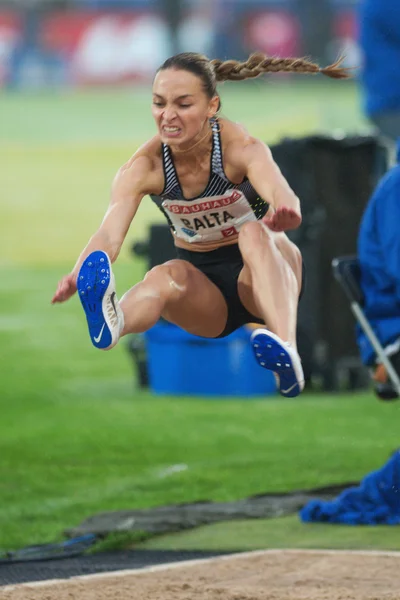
(181, 108)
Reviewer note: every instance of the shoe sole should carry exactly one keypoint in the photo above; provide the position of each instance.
(95, 282)
(272, 354)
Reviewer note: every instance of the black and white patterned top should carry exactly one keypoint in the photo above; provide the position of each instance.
(219, 211)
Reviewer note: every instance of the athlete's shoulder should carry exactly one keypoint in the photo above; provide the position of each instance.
(231, 130)
(149, 152)
(238, 144)
(144, 167)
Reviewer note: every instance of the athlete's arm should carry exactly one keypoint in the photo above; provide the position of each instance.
(128, 188)
(266, 177)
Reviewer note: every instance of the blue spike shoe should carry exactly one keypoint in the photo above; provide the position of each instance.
(96, 289)
(278, 356)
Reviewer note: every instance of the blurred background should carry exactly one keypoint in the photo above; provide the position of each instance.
(72, 42)
(82, 431)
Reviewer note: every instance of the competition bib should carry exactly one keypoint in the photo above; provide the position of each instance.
(209, 219)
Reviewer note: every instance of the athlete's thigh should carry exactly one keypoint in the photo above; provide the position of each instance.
(291, 253)
(292, 256)
(245, 292)
(200, 308)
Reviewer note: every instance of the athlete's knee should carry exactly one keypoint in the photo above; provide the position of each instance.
(170, 277)
(253, 236)
(249, 229)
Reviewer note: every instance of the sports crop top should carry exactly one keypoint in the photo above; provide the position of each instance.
(216, 214)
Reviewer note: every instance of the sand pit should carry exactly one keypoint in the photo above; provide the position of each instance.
(267, 575)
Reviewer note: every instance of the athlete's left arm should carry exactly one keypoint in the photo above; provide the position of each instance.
(266, 177)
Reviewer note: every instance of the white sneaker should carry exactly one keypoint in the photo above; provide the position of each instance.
(96, 288)
(278, 356)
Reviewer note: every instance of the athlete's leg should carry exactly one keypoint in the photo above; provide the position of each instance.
(269, 286)
(181, 294)
(270, 281)
(175, 290)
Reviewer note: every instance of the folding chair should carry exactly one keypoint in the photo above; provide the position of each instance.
(347, 272)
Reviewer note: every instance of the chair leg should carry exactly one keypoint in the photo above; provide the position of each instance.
(379, 350)
(383, 386)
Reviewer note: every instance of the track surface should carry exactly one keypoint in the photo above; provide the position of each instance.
(264, 575)
(95, 563)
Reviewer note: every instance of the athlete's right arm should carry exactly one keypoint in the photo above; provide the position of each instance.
(130, 185)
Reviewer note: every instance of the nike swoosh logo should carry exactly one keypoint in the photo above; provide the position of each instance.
(290, 389)
(97, 339)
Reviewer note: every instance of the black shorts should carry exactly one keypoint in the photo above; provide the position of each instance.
(222, 267)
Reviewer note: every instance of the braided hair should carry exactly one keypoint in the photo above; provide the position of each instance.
(213, 71)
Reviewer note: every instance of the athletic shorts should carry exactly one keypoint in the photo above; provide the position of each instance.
(222, 266)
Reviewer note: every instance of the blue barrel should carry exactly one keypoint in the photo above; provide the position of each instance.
(183, 364)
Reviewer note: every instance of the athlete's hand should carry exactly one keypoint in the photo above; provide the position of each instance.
(65, 289)
(282, 219)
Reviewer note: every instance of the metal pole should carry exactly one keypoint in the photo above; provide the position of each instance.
(357, 311)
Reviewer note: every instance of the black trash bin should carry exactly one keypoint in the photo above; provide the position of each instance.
(334, 178)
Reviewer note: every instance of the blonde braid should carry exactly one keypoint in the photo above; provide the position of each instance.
(257, 64)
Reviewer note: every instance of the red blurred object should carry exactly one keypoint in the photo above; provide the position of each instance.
(345, 25)
(276, 33)
(106, 47)
(10, 31)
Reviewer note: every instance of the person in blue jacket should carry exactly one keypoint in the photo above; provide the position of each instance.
(379, 256)
(379, 40)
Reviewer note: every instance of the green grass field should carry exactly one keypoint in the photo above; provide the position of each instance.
(76, 435)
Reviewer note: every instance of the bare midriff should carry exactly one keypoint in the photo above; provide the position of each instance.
(205, 246)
